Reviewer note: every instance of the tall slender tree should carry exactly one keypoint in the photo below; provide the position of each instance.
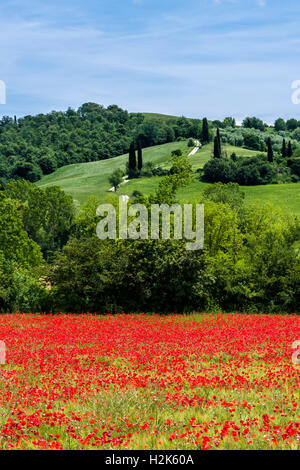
(289, 150)
(283, 150)
(270, 150)
(217, 145)
(219, 141)
(205, 131)
(140, 158)
(216, 148)
(132, 157)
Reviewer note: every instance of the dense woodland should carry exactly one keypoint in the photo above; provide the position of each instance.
(51, 259)
(35, 145)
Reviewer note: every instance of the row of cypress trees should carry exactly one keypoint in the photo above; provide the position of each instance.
(135, 163)
(286, 151)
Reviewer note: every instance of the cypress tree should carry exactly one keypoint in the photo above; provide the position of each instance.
(289, 150)
(270, 150)
(217, 153)
(283, 151)
(140, 158)
(132, 157)
(205, 131)
(219, 142)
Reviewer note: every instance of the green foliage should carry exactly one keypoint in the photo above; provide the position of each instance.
(270, 151)
(280, 125)
(253, 141)
(140, 158)
(132, 159)
(229, 193)
(217, 145)
(14, 241)
(219, 170)
(180, 175)
(86, 220)
(20, 289)
(249, 262)
(253, 123)
(37, 145)
(47, 215)
(292, 124)
(229, 122)
(116, 178)
(294, 165)
(244, 171)
(205, 136)
(176, 153)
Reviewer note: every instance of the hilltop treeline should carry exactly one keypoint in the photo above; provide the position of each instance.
(35, 145)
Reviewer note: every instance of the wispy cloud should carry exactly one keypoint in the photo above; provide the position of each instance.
(154, 58)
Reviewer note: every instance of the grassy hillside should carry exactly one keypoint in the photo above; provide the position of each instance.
(163, 118)
(286, 196)
(85, 179)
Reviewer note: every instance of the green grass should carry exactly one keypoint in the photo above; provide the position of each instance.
(163, 118)
(86, 179)
(286, 196)
(204, 154)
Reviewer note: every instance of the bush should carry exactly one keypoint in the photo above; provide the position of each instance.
(294, 164)
(245, 171)
(219, 170)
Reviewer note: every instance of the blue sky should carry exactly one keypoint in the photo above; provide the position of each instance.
(195, 58)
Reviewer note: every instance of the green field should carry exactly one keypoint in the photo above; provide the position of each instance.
(85, 179)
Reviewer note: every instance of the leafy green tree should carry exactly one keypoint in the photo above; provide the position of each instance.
(253, 123)
(14, 241)
(47, 214)
(292, 124)
(58, 219)
(179, 177)
(280, 125)
(229, 122)
(116, 178)
(27, 170)
(176, 153)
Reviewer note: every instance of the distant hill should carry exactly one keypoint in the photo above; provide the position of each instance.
(33, 146)
(91, 179)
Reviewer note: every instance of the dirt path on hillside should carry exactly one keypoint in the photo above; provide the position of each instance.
(195, 150)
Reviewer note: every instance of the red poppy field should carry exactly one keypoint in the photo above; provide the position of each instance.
(209, 381)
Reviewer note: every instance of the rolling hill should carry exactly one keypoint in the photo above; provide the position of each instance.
(86, 179)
